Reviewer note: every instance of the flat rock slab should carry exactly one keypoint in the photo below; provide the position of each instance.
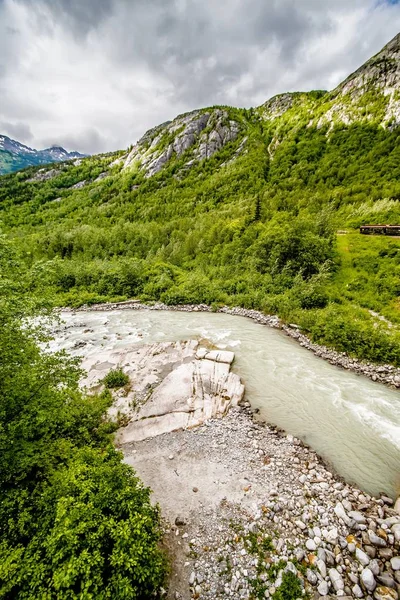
(172, 385)
(188, 386)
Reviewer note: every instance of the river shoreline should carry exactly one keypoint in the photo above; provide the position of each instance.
(244, 503)
(386, 374)
(264, 505)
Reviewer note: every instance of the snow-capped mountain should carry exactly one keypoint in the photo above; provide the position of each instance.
(15, 156)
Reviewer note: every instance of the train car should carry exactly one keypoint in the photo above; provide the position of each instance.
(380, 230)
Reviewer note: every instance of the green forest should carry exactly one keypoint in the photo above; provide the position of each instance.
(260, 231)
(75, 522)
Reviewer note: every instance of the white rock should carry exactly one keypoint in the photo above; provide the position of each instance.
(357, 516)
(332, 536)
(376, 540)
(317, 540)
(396, 532)
(220, 356)
(323, 588)
(189, 395)
(362, 557)
(357, 591)
(341, 513)
(374, 566)
(395, 563)
(311, 577)
(321, 566)
(311, 545)
(336, 579)
(300, 524)
(368, 579)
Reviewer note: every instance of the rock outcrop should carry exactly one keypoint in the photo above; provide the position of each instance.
(190, 394)
(173, 385)
(204, 132)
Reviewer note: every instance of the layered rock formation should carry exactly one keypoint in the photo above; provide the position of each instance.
(173, 386)
(203, 132)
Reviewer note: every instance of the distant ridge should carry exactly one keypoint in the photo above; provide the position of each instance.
(15, 156)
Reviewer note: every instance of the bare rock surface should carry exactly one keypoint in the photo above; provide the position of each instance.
(173, 385)
(202, 132)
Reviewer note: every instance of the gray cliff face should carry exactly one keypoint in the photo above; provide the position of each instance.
(276, 106)
(382, 72)
(202, 132)
(370, 94)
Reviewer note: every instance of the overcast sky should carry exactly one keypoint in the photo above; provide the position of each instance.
(93, 75)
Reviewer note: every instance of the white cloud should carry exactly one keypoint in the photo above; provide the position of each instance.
(98, 74)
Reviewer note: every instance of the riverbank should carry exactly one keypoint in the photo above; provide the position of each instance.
(386, 374)
(244, 504)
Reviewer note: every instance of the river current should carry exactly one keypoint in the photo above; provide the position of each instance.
(352, 422)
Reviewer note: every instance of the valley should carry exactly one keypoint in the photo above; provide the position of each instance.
(153, 256)
(235, 206)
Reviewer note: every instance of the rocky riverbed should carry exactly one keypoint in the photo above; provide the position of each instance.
(244, 504)
(386, 374)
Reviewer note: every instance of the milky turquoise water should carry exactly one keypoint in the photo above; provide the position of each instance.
(352, 422)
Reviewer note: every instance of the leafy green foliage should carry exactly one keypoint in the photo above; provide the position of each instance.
(290, 588)
(75, 522)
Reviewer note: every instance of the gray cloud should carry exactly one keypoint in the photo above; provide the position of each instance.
(18, 131)
(94, 74)
(79, 141)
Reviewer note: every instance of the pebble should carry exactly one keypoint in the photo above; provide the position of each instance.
(311, 545)
(323, 588)
(336, 579)
(362, 557)
(374, 566)
(386, 580)
(357, 591)
(376, 540)
(368, 579)
(395, 563)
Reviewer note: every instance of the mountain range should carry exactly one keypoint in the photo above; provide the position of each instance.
(15, 156)
(254, 207)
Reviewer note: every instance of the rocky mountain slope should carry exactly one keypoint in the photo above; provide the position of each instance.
(236, 206)
(15, 156)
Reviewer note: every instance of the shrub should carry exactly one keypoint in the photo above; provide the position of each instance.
(116, 378)
(75, 521)
(290, 588)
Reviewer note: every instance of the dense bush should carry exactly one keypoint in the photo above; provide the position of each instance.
(75, 522)
(115, 378)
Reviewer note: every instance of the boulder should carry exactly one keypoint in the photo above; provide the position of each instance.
(184, 395)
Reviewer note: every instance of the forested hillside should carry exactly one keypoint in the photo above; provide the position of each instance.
(236, 206)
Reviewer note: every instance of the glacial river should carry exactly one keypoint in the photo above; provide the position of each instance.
(352, 422)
